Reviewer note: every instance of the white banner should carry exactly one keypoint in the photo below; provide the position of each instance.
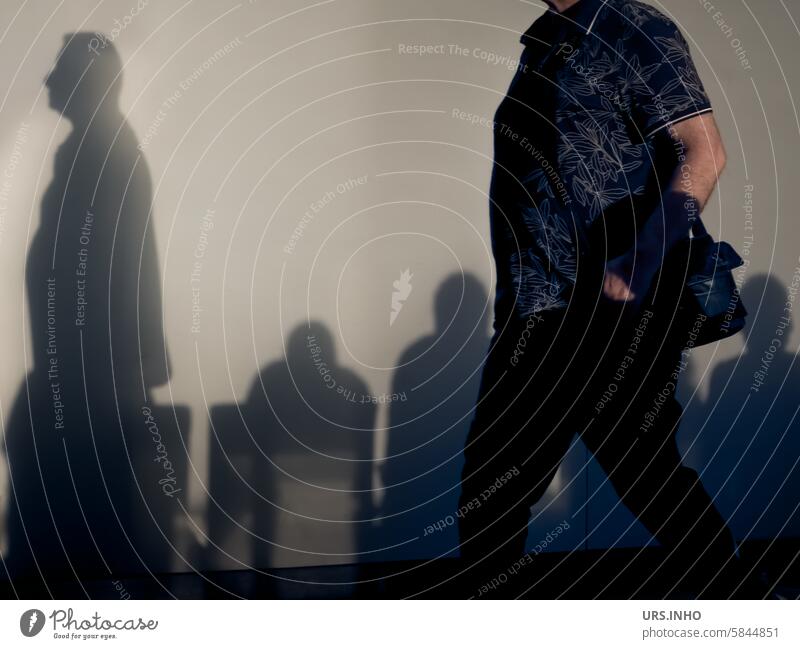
(401, 624)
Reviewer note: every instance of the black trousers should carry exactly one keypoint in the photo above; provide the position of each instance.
(607, 373)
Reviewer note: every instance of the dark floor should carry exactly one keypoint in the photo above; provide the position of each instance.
(615, 574)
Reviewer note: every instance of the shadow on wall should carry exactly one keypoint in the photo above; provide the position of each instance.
(291, 467)
(94, 469)
(434, 389)
(749, 438)
(97, 470)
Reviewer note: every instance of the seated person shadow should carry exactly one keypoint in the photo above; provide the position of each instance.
(291, 466)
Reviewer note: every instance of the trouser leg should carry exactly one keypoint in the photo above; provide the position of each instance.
(668, 497)
(514, 447)
(634, 441)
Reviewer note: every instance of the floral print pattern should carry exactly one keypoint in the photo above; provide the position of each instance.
(610, 92)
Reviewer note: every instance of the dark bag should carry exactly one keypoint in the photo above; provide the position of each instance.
(710, 304)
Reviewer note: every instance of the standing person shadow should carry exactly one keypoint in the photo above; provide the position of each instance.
(94, 465)
(291, 467)
(434, 392)
(751, 447)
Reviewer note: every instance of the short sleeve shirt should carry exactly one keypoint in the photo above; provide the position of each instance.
(582, 146)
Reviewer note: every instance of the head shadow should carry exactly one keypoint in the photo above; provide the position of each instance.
(86, 79)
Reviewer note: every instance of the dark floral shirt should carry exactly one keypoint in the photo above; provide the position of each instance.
(582, 145)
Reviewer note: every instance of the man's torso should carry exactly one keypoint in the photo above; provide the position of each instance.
(578, 166)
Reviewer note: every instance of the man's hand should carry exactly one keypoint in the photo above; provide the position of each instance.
(620, 284)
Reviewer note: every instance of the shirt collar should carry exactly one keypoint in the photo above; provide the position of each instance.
(580, 18)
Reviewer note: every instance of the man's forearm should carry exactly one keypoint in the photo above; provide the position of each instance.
(628, 277)
(690, 188)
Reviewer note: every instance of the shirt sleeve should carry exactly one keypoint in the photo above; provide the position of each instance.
(664, 85)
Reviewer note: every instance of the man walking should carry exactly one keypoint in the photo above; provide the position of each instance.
(605, 151)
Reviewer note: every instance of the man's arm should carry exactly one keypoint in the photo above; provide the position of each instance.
(628, 277)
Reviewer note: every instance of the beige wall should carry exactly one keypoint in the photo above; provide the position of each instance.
(315, 98)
